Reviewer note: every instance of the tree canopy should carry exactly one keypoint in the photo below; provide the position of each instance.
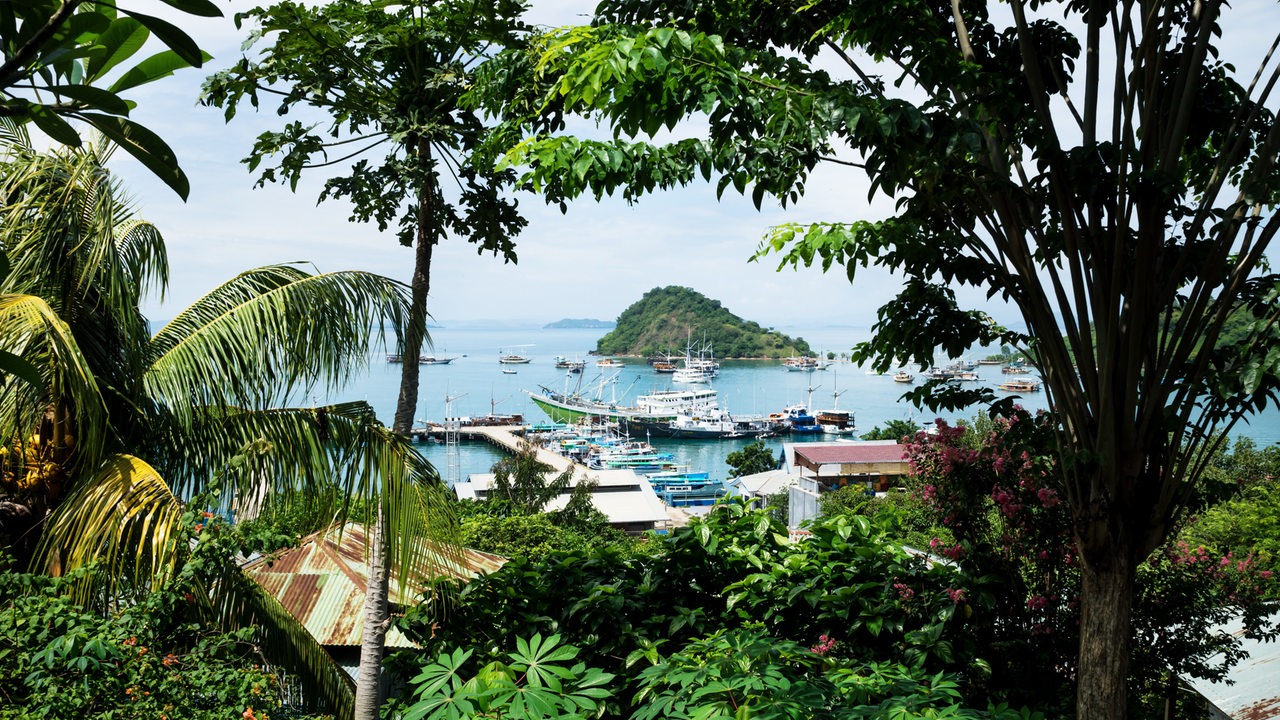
(1096, 166)
(675, 319)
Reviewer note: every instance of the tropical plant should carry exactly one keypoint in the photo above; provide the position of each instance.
(1099, 168)
(534, 683)
(753, 458)
(126, 425)
(892, 430)
(57, 55)
(390, 77)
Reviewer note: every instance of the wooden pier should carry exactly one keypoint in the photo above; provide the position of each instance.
(507, 437)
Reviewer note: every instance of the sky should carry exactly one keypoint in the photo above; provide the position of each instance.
(591, 262)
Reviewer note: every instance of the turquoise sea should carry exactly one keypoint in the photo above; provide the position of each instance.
(474, 384)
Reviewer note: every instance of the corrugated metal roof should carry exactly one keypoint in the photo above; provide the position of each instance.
(850, 452)
(1255, 692)
(623, 496)
(322, 581)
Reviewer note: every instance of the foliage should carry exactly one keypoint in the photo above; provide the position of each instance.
(521, 481)
(993, 487)
(892, 430)
(778, 506)
(753, 458)
(125, 424)
(1243, 525)
(158, 658)
(1097, 170)
(533, 683)
(65, 60)
(846, 587)
(668, 319)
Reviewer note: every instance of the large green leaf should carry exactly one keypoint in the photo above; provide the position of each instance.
(95, 98)
(144, 145)
(121, 40)
(160, 65)
(172, 36)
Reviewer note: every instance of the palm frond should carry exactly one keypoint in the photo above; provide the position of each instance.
(269, 334)
(240, 603)
(30, 329)
(124, 519)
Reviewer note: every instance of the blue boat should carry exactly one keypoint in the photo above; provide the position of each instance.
(797, 419)
(687, 489)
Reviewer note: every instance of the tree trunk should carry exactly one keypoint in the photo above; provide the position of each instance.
(376, 603)
(376, 621)
(1106, 609)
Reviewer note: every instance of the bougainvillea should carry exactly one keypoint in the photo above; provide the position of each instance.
(994, 486)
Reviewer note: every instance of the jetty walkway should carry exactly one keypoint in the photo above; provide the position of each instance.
(507, 437)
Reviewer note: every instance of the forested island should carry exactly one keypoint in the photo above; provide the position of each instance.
(670, 319)
(579, 323)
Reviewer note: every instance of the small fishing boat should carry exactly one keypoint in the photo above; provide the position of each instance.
(1020, 386)
(508, 371)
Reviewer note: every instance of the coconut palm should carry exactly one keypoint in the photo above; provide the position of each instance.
(126, 425)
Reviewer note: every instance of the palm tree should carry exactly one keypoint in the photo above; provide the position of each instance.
(126, 425)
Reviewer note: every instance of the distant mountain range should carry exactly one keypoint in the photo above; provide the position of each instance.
(582, 323)
(667, 320)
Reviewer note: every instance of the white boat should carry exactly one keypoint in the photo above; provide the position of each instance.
(803, 364)
(690, 376)
(1020, 386)
(610, 363)
(511, 358)
(902, 376)
(570, 406)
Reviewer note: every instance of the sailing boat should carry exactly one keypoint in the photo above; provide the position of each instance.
(835, 421)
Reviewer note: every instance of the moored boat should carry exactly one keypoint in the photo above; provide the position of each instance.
(1020, 386)
(687, 489)
(902, 376)
(658, 405)
(711, 424)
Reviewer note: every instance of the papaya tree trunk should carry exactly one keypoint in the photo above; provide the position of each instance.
(376, 603)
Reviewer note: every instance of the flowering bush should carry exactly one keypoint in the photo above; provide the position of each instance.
(993, 486)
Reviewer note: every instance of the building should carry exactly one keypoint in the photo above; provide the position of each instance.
(624, 497)
(1250, 691)
(877, 465)
(322, 584)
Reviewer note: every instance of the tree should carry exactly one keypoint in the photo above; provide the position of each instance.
(751, 459)
(1097, 167)
(893, 430)
(125, 425)
(58, 53)
(388, 76)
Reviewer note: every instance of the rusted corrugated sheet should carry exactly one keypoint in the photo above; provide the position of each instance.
(322, 582)
(1250, 692)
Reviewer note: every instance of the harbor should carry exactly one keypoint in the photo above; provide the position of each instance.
(474, 386)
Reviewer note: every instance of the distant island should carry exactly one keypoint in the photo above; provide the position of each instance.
(583, 323)
(667, 320)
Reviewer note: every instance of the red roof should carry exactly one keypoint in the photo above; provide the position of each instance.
(850, 453)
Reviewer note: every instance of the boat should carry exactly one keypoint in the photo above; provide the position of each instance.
(508, 371)
(902, 376)
(990, 361)
(687, 489)
(1015, 368)
(422, 359)
(1020, 386)
(835, 421)
(710, 424)
(570, 406)
(803, 364)
(665, 367)
(610, 363)
(635, 455)
(691, 375)
(507, 358)
(574, 366)
(797, 419)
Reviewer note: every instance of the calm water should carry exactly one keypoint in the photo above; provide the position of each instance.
(474, 384)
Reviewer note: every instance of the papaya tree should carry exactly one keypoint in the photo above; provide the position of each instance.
(389, 77)
(1097, 166)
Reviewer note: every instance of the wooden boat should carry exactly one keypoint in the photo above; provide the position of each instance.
(1020, 386)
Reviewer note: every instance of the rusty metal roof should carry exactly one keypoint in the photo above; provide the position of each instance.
(850, 452)
(322, 582)
(1251, 691)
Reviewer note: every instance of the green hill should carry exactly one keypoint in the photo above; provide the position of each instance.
(667, 319)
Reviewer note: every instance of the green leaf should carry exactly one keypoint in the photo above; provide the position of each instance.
(53, 125)
(172, 36)
(201, 8)
(160, 65)
(121, 40)
(144, 145)
(11, 364)
(95, 98)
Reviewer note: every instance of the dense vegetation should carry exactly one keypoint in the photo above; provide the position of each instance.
(671, 319)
